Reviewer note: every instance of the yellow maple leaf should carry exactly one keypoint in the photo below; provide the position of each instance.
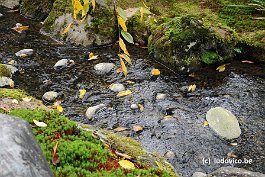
(82, 93)
(221, 68)
(126, 164)
(123, 46)
(124, 93)
(59, 108)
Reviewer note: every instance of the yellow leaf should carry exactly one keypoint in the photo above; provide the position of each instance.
(155, 72)
(122, 23)
(77, 6)
(59, 108)
(137, 128)
(67, 28)
(82, 93)
(126, 164)
(221, 68)
(205, 123)
(126, 57)
(158, 165)
(19, 28)
(123, 46)
(130, 82)
(142, 14)
(247, 61)
(85, 8)
(92, 56)
(23, 55)
(93, 2)
(27, 99)
(192, 88)
(124, 93)
(123, 67)
(120, 129)
(141, 107)
(39, 124)
(167, 117)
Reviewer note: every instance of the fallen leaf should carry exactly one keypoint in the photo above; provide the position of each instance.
(119, 70)
(167, 117)
(14, 101)
(55, 156)
(231, 154)
(158, 164)
(221, 68)
(192, 88)
(19, 28)
(23, 55)
(123, 155)
(27, 99)
(155, 72)
(92, 56)
(126, 164)
(141, 107)
(59, 108)
(124, 93)
(11, 83)
(82, 93)
(130, 82)
(137, 128)
(120, 129)
(247, 61)
(39, 124)
(205, 123)
(11, 62)
(233, 144)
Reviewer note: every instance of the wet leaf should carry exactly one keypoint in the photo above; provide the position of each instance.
(124, 93)
(27, 99)
(123, 46)
(14, 101)
(130, 82)
(126, 164)
(141, 107)
(192, 88)
(67, 28)
(59, 108)
(221, 68)
(247, 61)
(82, 93)
(126, 58)
(155, 72)
(205, 123)
(120, 129)
(39, 124)
(167, 117)
(137, 128)
(19, 28)
(122, 23)
(127, 36)
(55, 156)
(123, 67)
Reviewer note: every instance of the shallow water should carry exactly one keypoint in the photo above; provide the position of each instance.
(240, 89)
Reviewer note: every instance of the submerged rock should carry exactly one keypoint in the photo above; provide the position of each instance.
(5, 81)
(92, 110)
(21, 155)
(233, 171)
(25, 52)
(117, 87)
(223, 122)
(50, 96)
(63, 63)
(104, 68)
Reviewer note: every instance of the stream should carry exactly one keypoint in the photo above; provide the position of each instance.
(182, 139)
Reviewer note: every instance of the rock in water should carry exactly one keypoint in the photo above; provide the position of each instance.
(5, 81)
(233, 171)
(50, 96)
(63, 63)
(104, 68)
(25, 52)
(20, 154)
(92, 110)
(161, 96)
(117, 87)
(223, 122)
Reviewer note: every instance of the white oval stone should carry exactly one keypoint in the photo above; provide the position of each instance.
(104, 67)
(61, 63)
(117, 87)
(24, 52)
(134, 106)
(161, 96)
(92, 110)
(50, 96)
(223, 122)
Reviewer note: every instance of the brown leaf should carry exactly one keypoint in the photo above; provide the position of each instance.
(55, 156)
(141, 107)
(19, 28)
(137, 128)
(120, 129)
(126, 156)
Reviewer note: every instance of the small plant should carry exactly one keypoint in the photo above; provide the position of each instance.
(210, 57)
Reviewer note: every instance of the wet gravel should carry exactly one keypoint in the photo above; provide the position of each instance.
(240, 89)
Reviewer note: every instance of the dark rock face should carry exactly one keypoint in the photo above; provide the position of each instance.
(20, 154)
(232, 171)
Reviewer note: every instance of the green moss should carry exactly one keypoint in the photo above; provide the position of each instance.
(4, 71)
(210, 57)
(13, 93)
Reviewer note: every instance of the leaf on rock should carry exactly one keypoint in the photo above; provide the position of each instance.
(123, 46)
(11, 83)
(124, 93)
(205, 123)
(67, 28)
(127, 36)
(221, 68)
(82, 93)
(137, 128)
(155, 72)
(192, 88)
(59, 108)
(126, 164)
(120, 129)
(247, 61)
(122, 23)
(55, 156)
(27, 99)
(39, 124)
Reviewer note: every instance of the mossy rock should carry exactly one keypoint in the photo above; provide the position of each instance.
(5, 71)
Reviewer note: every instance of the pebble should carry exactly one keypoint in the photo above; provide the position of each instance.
(50, 96)
(104, 68)
(117, 87)
(5, 81)
(134, 106)
(92, 110)
(1, 15)
(24, 52)
(199, 174)
(169, 155)
(161, 96)
(63, 63)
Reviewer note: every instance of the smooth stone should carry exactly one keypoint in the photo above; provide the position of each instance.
(104, 68)
(63, 63)
(50, 96)
(92, 110)
(233, 171)
(169, 155)
(117, 87)
(223, 122)
(134, 106)
(199, 174)
(1, 15)
(24, 52)
(161, 96)
(5, 81)
(21, 155)
(9, 3)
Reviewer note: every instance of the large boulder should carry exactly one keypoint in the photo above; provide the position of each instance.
(20, 154)
(9, 3)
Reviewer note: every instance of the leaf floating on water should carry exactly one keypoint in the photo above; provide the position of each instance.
(137, 128)
(27, 99)
(126, 164)
(155, 72)
(14, 101)
(82, 93)
(192, 88)
(247, 61)
(55, 156)
(39, 124)
(221, 68)
(205, 123)
(167, 117)
(59, 108)
(120, 129)
(124, 93)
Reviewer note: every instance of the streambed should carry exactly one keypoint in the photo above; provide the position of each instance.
(183, 138)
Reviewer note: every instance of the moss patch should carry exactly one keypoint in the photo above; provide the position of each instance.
(4, 71)
(13, 93)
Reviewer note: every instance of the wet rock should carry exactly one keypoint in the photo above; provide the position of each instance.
(117, 87)
(5, 81)
(92, 110)
(233, 171)
(161, 96)
(25, 158)
(9, 3)
(24, 52)
(50, 96)
(104, 68)
(1, 15)
(199, 174)
(170, 155)
(223, 122)
(63, 63)
(134, 106)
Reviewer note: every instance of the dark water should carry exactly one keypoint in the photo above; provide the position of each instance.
(239, 89)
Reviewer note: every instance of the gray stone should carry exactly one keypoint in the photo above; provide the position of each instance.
(1, 15)
(24, 52)
(92, 110)
(223, 122)
(104, 68)
(13, 69)
(232, 171)
(117, 87)
(170, 155)
(9, 3)
(161, 96)
(199, 174)
(5, 81)
(134, 106)
(20, 154)
(63, 63)
(50, 96)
